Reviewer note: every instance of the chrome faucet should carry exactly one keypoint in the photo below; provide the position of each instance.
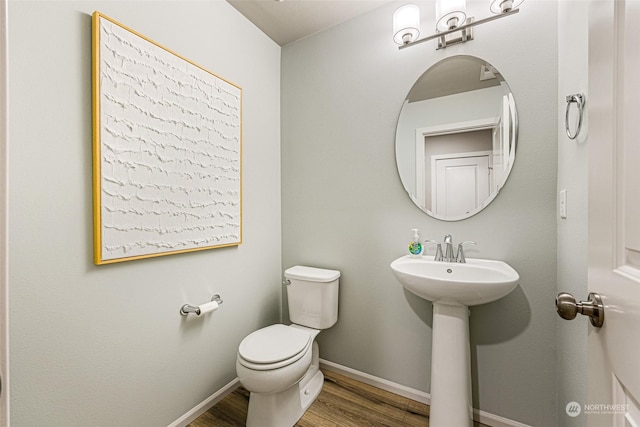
(448, 249)
(438, 255)
(449, 255)
(460, 257)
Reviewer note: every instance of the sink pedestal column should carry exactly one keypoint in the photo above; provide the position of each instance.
(450, 367)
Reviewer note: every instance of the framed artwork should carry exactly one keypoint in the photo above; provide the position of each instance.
(167, 150)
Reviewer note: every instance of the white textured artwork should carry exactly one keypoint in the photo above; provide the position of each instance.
(168, 150)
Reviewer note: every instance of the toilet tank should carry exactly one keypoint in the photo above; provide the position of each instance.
(312, 294)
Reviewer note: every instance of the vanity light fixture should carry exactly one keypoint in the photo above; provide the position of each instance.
(452, 24)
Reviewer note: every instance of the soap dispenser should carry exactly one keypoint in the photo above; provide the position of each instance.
(415, 247)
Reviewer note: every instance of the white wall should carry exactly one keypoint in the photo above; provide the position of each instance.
(106, 346)
(573, 38)
(344, 206)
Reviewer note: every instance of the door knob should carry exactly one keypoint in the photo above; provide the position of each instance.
(568, 308)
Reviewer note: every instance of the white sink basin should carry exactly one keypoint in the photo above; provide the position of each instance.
(478, 281)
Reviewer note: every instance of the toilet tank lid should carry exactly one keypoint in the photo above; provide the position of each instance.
(312, 274)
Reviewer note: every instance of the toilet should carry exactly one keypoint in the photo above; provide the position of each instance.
(279, 364)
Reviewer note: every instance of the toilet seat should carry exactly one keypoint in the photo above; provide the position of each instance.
(274, 347)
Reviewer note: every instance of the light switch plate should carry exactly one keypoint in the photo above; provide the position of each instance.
(562, 204)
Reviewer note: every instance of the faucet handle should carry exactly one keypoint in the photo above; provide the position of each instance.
(460, 257)
(438, 255)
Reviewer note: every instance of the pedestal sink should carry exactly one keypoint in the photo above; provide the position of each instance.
(453, 287)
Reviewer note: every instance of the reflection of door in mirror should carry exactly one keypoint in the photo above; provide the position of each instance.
(501, 157)
(461, 141)
(460, 183)
(450, 162)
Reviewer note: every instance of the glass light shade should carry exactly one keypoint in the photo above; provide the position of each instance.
(450, 14)
(501, 6)
(406, 24)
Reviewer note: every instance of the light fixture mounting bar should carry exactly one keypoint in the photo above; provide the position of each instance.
(460, 28)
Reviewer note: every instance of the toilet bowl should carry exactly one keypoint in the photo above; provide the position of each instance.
(279, 364)
(274, 358)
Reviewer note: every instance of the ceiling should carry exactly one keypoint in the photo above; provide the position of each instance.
(286, 21)
(453, 75)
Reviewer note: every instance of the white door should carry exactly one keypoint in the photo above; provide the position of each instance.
(459, 184)
(614, 211)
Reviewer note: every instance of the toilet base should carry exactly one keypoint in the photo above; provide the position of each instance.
(285, 408)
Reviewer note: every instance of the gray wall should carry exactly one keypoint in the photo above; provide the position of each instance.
(343, 205)
(105, 346)
(573, 76)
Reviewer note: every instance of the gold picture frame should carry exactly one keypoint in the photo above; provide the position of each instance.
(167, 150)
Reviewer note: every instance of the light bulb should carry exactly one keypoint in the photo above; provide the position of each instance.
(406, 24)
(450, 14)
(502, 6)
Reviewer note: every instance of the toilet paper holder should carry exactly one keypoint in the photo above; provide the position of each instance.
(203, 308)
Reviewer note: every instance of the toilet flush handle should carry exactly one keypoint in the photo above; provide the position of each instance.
(286, 281)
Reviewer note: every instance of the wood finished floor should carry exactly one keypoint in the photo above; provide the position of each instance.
(343, 402)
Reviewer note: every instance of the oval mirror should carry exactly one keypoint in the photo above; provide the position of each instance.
(456, 138)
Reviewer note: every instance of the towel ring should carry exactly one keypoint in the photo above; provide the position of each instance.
(579, 100)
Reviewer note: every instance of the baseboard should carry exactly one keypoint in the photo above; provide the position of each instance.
(206, 404)
(410, 393)
(413, 394)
